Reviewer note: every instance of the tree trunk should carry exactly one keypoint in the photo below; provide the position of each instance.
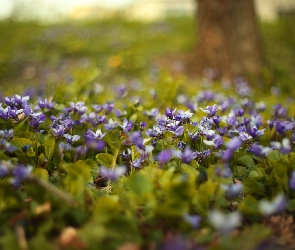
(229, 38)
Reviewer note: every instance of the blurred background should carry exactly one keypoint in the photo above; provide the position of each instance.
(46, 43)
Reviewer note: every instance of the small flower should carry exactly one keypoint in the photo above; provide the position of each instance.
(127, 125)
(193, 220)
(254, 132)
(37, 119)
(71, 138)
(78, 107)
(259, 150)
(111, 125)
(3, 170)
(292, 180)
(283, 126)
(164, 156)
(137, 139)
(112, 174)
(224, 222)
(234, 144)
(244, 136)
(233, 190)
(152, 113)
(231, 120)
(91, 136)
(188, 155)
(183, 116)
(210, 110)
(284, 147)
(277, 205)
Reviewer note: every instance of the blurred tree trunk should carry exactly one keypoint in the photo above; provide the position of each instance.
(229, 38)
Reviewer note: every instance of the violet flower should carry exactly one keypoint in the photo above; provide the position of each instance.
(164, 156)
(137, 139)
(37, 119)
(71, 138)
(292, 180)
(188, 155)
(193, 220)
(112, 174)
(210, 110)
(284, 147)
(276, 206)
(91, 136)
(259, 150)
(234, 144)
(127, 125)
(283, 126)
(111, 125)
(224, 223)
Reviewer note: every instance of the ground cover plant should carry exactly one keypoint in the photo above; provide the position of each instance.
(145, 161)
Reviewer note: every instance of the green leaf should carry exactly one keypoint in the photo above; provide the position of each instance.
(139, 184)
(246, 160)
(49, 145)
(257, 174)
(20, 142)
(274, 155)
(105, 159)
(250, 186)
(21, 126)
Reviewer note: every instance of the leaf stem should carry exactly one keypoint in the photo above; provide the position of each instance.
(53, 190)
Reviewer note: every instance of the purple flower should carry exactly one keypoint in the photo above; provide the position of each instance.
(37, 119)
(170, 112)
(183, 116)
(126, 155)
(91, 136)
(78, 107)
(292, 180)
(22, 172)
(3, 170)
(194, 136)
(154, 132)
(284, 147)
(112, 174)
(21, 101)
(224, 222)
(164, 156)
(210, 110)
(231, 120)
(226, 154)
(58, 130)
(282, 126)
(71, 138)
(137, 139)
(152, 113)
(127, 125)
(223, 172)
(254, 132)
(47, 103)
(276, 206)
(216, 120)
(188, 155)
(193, 220)
(234, 144)
(137, 163)
(108, 107)
(179, 131)
(111, 125)
(222, 131)
(259, 150)
(256, 120)
(279, 111)
(181, 145)
(244, 136)
(218, 141)
(233, 190)
(6, 134)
